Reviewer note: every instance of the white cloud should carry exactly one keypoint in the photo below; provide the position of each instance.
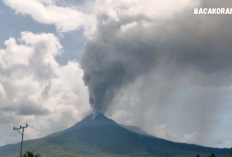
(84, 16)
(2, 92)
(149, 8)
(160, 131)
(64, 18)
(213, 139)
(36, 89)
(165, 132)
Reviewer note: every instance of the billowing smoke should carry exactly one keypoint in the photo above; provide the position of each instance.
(172, 50)
(128, 45)
(170, 66)
(109, 65)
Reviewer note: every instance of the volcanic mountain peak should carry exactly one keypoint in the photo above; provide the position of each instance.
(100, 136)
(92, 120)
(96, 116)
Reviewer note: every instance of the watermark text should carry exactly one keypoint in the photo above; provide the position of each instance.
(219, 11)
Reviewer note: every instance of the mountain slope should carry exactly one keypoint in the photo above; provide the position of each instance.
(135, 129)
(89, 121)
(101, 136)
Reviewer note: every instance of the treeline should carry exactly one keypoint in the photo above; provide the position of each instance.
(214, 155)
(32, 154)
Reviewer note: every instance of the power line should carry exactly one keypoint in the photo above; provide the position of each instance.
(6, 123)
(18, 121)
(9, 120)
(15, 121)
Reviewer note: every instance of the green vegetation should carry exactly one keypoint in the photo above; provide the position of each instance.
(212, 155)
(107, 139)
(198, 155)
(31, 154)
(114, 142)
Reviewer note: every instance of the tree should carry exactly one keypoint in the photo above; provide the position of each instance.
(31, 154)
(198, 155)
(212, 155)
(231, 151)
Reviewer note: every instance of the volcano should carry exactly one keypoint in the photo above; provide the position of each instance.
(90, 121)
(101, 136)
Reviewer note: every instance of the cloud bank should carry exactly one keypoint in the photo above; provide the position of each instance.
(64, 18)
(34, 88)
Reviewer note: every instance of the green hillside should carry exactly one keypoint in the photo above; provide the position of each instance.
(102, 137)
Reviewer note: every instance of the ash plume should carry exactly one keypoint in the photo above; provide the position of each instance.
(130, 46)
(109, 66)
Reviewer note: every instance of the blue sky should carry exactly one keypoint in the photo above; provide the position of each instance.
(183, 95)
(15, 23)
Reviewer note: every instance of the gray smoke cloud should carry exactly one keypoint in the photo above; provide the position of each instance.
(109, 65)
(130, 47)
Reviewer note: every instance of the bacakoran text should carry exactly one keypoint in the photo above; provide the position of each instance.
(212, 11)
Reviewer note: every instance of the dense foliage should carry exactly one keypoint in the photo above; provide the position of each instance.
(31, 154)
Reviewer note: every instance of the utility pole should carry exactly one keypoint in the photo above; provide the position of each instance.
(22, 136)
